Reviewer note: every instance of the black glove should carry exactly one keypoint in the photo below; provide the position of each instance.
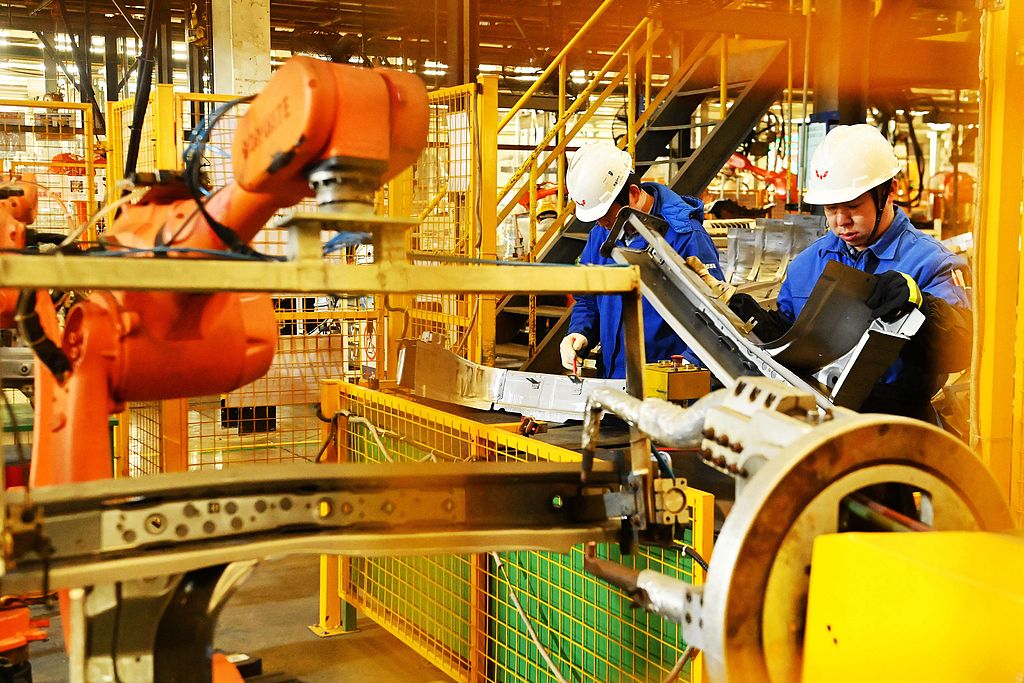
(770, 324)
(895, 293)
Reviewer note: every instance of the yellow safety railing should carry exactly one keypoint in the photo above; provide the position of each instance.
(459, 611)
(619, 66)
(452, 188)
(56, 142)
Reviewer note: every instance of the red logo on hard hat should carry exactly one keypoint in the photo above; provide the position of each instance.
(821, 174)
(582, 202)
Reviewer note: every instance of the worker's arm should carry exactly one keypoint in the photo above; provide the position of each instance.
(585, 319)
(943, 344)
(770, 324)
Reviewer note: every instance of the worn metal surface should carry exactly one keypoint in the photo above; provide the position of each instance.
(153, 526)
(202, 275)
(16, 363)
(433, 372)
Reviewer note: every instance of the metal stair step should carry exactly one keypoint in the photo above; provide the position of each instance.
(517, 351)
(667, 160)
(682, 126)
(543, 311)
(709, 90)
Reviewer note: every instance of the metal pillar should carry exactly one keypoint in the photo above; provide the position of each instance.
(111, 67)
(241, 45)
(463, 41)
(487, 120)
(50, 68)
(164, 51)
(997, 393)
(842, 42)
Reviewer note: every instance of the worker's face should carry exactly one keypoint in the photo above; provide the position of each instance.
(852, 221)
(608, 220)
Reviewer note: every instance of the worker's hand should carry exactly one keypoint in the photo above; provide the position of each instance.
(720, 290)
(895, 293)
(571, 345)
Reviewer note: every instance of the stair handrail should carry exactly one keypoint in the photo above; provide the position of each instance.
(555, 63)
(693, 59)
(625, 48)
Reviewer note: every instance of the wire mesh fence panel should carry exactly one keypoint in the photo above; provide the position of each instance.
(589, 629)
(54, 141)
(274, 418)
(467, 614)
(446, 192)
(144, 438)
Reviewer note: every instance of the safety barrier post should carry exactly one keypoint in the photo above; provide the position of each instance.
(337, 616)
(486, 103)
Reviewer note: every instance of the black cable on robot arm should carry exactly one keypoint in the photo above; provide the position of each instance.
(193, 173)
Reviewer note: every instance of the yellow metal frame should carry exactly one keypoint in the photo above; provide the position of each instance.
(42, 166)
(940, 606)
(402, 597)
(998, 404)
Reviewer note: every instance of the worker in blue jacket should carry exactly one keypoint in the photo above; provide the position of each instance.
(852, 175)
(601, 181)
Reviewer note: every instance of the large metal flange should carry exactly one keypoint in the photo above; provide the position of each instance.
(755, 598)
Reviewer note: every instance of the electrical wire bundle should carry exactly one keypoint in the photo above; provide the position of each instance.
(193, 157)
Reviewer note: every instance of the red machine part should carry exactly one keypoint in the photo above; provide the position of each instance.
(784, 183)
(128, 345)
(73, 165)
(16, 212)
(18, 629)
(125, 346)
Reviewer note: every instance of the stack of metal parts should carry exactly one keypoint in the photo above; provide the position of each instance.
(757, 258)
(431, 371)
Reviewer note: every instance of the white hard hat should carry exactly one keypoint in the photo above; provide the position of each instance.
(849, 161)
(596, 174)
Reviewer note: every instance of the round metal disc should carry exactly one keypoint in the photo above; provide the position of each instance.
(755, 599)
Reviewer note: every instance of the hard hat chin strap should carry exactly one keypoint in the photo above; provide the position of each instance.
(880, 195)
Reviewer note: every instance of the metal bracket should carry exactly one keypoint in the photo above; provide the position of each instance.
(670, 502)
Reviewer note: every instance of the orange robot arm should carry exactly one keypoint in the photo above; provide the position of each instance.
(783, 182)
(332, 131)
(18, 201)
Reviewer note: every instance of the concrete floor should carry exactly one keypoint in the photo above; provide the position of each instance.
(268, 618)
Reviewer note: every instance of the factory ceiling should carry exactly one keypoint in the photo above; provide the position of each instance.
(520, 33)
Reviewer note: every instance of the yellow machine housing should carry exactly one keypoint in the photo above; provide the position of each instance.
(676, 381)
(936, 606)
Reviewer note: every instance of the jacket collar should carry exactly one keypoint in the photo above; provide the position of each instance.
(655, 191)
(885, 248)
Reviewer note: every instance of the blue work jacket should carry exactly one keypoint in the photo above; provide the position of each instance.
(599, 317)
(903, 248)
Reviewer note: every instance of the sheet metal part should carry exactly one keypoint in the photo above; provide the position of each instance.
(433, 372)
(706, 325)
(831, 322)
(16, 364)
(153, 526)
